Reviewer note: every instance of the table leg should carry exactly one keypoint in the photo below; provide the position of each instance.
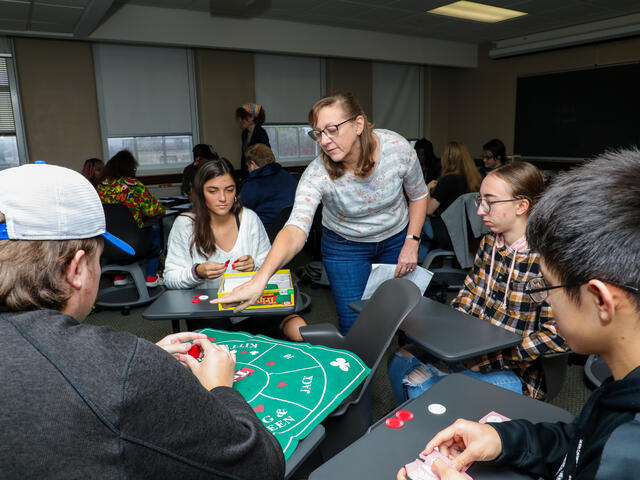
(175, 326)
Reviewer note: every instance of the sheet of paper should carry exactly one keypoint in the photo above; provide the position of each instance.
(381, 272)
(283, 280)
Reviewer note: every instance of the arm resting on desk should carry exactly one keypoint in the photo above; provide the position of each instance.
(323, 334)
(537, 448)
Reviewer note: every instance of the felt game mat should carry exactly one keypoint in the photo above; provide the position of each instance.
(291, 386)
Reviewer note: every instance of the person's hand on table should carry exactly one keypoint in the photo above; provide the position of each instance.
(465, 441)
(408, 258)
(217, 366)
(174, 343)
(243, 295)
(244, 264)
(211, 270)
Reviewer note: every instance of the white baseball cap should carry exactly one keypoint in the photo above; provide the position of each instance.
(48, 202)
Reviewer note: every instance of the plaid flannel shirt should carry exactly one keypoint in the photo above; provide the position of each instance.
(519, 314)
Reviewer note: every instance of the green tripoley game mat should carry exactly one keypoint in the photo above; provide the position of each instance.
(291, 386)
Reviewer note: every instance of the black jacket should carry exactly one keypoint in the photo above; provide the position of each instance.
(603, 442)
(80, 401)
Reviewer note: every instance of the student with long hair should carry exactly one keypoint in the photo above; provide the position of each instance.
(251, 116)
(219, 235)
(494, 291)
(118, 184)
(459, 175)
(361, 177)
(92, 170)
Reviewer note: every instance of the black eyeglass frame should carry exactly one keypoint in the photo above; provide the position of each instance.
(546, 288)
(315, 134)
(478, 201)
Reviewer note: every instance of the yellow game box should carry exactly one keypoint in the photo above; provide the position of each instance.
(277, 294)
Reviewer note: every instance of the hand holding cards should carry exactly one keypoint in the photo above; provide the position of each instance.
(420, 469)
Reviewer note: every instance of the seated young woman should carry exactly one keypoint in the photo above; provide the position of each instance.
(494, 291)
(219, 236)
(459, 176)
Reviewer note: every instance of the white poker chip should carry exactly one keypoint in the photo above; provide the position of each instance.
(437, 408)
(203, 297)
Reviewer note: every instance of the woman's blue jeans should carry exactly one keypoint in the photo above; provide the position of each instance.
(153, 261)
(400, 367)
(348, 265)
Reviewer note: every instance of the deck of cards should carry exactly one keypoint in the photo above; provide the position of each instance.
(420, 469)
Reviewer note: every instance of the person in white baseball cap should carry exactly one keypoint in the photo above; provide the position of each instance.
(82, 400)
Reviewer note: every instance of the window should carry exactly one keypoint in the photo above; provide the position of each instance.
(147, 104)
(8, 140)
(291, 144)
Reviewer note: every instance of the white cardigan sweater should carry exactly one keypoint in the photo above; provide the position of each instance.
(178, 271)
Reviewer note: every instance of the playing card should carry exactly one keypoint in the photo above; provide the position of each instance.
(494, 417)
(422, 470)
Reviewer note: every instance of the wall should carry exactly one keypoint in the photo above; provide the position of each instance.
(224, 81)
(482, 101)
(59, 103)
(353, 76)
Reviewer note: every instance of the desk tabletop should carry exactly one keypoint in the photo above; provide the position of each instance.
(177, 304)
(380, 453)
(452, 335)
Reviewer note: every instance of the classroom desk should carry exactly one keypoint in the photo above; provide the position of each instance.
(381, 452)
(175, 305)
(449, 334)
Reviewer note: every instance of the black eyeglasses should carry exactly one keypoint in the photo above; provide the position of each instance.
(330, 130)
(486, 204)
(538, 289)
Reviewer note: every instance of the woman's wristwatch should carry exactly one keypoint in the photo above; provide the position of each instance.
(413, 237)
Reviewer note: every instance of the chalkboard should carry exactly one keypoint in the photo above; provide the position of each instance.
(578, 114)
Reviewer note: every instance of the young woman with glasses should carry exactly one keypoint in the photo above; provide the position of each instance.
(361, 177)
(496, 291)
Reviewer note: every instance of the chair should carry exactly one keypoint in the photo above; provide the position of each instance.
(279, 222)
(121, 223)
(554, 368)
(368, 338)
(596, 370)
(465, 226)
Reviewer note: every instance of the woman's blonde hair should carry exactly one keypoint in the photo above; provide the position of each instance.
(457, 161)
(351, 108)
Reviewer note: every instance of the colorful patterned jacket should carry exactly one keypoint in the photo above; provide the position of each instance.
(132, 193)
(494, 292)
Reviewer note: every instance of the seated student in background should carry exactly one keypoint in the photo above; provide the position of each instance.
(429, 163)
(119, 185)
(92, 402)
(459, 176)
(218, 236)
(269, 188)
(590, 276)
(493, 156)
(494, 292)
(92, 170)
(201, 153)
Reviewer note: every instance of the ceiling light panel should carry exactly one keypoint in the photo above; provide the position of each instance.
(476, 11)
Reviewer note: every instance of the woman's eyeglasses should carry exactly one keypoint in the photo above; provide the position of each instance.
(330, 130)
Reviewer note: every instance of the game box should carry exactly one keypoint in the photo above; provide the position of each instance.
(277, 294)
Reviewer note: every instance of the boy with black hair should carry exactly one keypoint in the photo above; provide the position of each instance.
(81, 401)
(586, 228)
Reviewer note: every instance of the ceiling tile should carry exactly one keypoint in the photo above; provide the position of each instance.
(14, 10)
(51, 27)
(56, 14)
(7, 24)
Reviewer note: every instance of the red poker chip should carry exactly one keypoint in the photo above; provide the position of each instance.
(196, 295)
(404, 415)
(196, 300)
(195, 351)
(394, 422)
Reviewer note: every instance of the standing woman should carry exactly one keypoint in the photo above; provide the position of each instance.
(361, 177)
(251, 117)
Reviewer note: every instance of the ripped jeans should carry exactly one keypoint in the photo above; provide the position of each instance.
(401, 366)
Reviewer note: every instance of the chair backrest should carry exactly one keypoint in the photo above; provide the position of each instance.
(376, 325)
(464, 226)
(279, 222)
(120, 222)
(554, 368)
